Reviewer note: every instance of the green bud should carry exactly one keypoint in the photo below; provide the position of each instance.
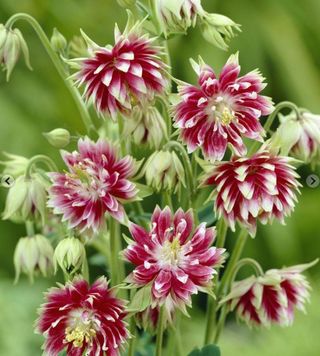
(164, 171)
(218, 29)
(58, 138)
(77, 48)
(58, 41)
(15, 165)
(70, 255)
(126, 3)
(33, 254)
(11, 44)
(27, 199)
(146, 126)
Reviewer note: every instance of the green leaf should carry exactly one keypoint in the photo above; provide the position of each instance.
(141, 300)
(208, 350)
(143, 190)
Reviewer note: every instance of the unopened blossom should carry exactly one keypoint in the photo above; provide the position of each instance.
(173, 257)
(82, 319)
(299, 136)
(33, 254)
(116, 78)
(271, 298)
(178, 15)
(58, 138)
(148, 318)
(97, 182)
(146, 126)
(221, 110)
(261, 187)
(15, 165)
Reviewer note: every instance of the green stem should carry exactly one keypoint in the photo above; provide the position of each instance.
(30, 228)
(58, 64)
(160, 330)
(121, 137)
(271, 118)
(222, 229)
(113, 263)
(167, 200)
(133, 331)
(40, 159)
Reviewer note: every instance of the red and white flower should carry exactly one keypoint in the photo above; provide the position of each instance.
(174, 259)
(271, 298)
(221, 110)
(97, 183)
(128, 73)
(261, 187)
(82, 319)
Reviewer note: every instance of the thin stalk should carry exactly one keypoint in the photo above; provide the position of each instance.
(222, 229)
(113, 263)
(167, 200)
(40, 159)
(132, 340)
(30, 228)
(271, 118)
(121, 138)
(58, 65)
(160, 331)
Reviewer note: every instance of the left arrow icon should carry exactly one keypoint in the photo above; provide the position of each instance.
(7, 181)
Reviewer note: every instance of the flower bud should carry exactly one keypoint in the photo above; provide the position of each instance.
(77, 48)
(218, 29)
(27, 199)
(70, 255)
(11, 44)
(58, 41)
(58, 138)
(164, 171)
(178, 16)
(33, 254)
(15, 165)
(146, 126)
(126, 3)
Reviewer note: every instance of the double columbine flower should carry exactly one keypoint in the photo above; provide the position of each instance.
(261, 187)
(174, 259)
(131, 72)
(97, 183)
(271, 298)
(221, 110)
(83, 319)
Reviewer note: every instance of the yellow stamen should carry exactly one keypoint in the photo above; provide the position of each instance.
(79, 335)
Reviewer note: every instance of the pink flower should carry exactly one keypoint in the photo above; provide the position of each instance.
(174, 259)
(261, 187)
(82, 320)
(130, 72)
(97, 183)
(221, 110)
(271, 298)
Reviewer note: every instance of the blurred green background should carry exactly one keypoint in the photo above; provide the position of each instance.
(281, 37)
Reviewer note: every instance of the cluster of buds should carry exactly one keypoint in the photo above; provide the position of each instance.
(11, 44)
(164, 171)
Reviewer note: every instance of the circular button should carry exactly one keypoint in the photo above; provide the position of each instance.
(7, 181)
(313, 181)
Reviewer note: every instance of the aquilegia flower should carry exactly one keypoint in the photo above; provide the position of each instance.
(97, 183)
(261, 187)
(299, 136)
(118, 77)
(175, 260)
(82, 319)
(271, 298)
(221, 110)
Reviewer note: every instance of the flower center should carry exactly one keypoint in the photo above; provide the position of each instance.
(220, 109)
(170, 252)
(82, 328)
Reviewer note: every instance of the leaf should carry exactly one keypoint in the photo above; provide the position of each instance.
(208, 350)
(141, 300)
(143, 190)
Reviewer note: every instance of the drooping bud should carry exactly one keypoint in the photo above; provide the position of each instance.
(11, 44)
(58, 41)
(218, 29)
(164, 171)
(126, 3)
(33, 254)
(177, 16)
(15, 165)
(58, 138)
(146, 126)
(77, 48)
(27, 199)
(298, 136)
(70, 255)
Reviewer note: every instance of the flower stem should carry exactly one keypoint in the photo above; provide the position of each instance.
(58, 64)
(160, 330)
(167, 200)
(40, 159)
(271, 118)
(133, 331)
(222, 229)
(30, 228)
